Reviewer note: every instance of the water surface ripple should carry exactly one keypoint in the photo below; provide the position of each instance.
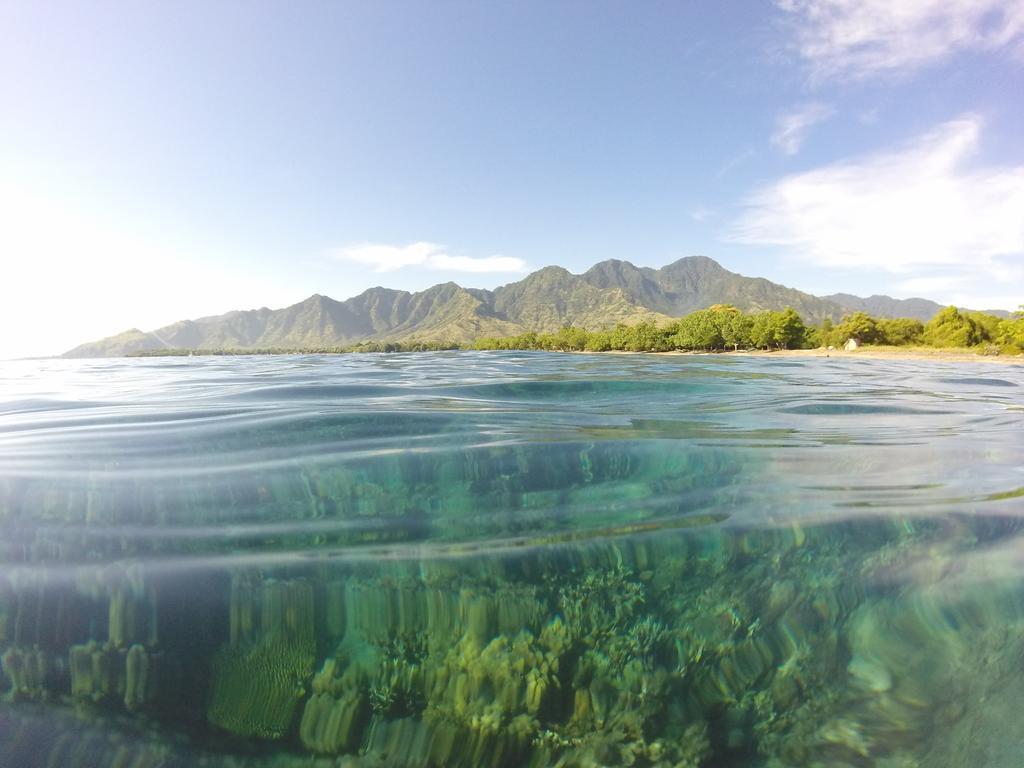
(471, 447)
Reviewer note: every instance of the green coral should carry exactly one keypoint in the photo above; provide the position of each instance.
(601, 603)
(259, 678)
(97, 672)
(256, 691)
(26, 671)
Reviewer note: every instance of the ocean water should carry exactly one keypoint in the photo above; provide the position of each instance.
(511, 559)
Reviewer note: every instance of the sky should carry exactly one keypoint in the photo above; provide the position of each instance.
(170, 160)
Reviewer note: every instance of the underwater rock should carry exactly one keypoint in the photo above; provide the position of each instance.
(870, 674)
(780, 597)
(848, 734)
(919, 635)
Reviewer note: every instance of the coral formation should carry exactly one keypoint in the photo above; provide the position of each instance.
(701, 650)
(259, 676)
(25, 671)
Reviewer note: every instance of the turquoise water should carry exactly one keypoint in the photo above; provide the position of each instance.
(511, 559)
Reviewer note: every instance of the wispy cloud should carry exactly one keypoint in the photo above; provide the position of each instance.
(856, 39)
(389, 258)
(735, 161)
(916, 210)
(792, 128)
(701, 213)
(868, 116)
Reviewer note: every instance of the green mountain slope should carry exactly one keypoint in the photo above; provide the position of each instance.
(696, 282)
(609, 293)
(553, 298)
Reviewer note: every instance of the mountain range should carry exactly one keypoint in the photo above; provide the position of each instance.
(609, 293)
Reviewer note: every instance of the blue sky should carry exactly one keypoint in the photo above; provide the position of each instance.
(169, 160)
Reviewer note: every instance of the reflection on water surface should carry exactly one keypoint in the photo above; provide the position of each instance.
(506, 559)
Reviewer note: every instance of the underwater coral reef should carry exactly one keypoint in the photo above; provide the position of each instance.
(710, 647)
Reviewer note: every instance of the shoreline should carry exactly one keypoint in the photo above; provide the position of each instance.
(884, 353)
(935, 354)
(873, 353)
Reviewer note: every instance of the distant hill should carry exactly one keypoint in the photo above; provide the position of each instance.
(609, 293)
(886, 306)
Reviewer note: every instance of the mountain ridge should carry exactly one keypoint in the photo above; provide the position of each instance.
(610, 292)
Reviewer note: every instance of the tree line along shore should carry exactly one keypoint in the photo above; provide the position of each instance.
(721, 327)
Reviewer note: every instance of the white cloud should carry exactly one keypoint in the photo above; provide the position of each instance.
(914, 209)
(862, 38)
(388, 258)
(791, 129)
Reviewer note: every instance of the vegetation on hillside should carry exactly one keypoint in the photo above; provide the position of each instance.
(950, 327)
(716, 328)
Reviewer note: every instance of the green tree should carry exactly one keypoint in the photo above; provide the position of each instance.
(736, 330)
(860, 326)
(1010, 333)
(988, 325)
(571, 339)
(599, 341)
(789, 329)
(899, 331)
(825, 332)
(782, 330)
(699, 330)
(762, 330)
(952, 328)
(646, 337)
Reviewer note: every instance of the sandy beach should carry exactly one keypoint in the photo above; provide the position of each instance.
(876, 353)
(887, 353)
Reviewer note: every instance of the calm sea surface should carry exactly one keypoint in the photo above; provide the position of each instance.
(511, 559)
